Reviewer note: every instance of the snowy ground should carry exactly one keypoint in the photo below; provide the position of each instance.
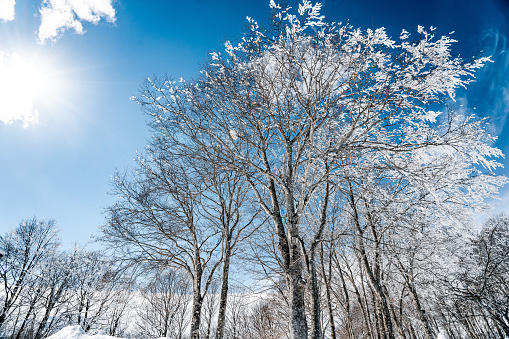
(130, 320)
(76, 332)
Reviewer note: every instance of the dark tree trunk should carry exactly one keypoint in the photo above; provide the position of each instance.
(289, 247)
(196, 314)
(296, 289)
(224, 287)
(347, 306)
(311, 265)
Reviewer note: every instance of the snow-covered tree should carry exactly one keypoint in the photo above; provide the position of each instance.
(484, 273)
(304, 104)
(27, 248)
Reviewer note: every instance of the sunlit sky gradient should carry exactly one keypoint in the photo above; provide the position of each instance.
(96, 53)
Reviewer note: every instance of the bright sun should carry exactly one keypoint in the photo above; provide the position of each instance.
(21, 82)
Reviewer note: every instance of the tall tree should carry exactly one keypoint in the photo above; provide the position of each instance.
(226, 204)
(158, 223)
(304, 102)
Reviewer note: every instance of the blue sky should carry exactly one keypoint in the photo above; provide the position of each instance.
(92, 55)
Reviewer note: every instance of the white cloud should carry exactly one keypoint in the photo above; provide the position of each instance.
(7, 10)
(16, 91)
(58, 16)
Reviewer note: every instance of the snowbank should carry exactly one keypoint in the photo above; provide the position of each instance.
(76, 332)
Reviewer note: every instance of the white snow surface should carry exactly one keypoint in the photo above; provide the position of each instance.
(76, 332)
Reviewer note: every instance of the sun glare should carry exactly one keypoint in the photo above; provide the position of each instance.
(21, 83)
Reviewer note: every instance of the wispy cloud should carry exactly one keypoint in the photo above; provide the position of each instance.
(16, 102)
(57, 16)
(7, 10)
(496, 78)
(489, 94)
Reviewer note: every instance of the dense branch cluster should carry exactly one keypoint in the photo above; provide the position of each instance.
(332, 125)
(44, 288)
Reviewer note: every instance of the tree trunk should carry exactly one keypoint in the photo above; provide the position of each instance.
(52, 300)
(27, 317)
(224, 288)
(197, 296)
(313, 279)
(296, 289)
(347, 306)
(196, 315)
(377, 288)
(361, 299)
(291, 253)
(315, 301)
(3, 316)
(397, 323)
(298, 325)
(10, 300)
(420, 311)
(328, 293)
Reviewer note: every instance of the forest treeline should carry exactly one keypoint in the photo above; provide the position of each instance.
(463, 293)
(328, 164)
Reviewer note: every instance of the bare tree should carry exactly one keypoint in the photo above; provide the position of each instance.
(98, 290)
(236, 322)
(163, 312)
(26, 247)
(158, 223)
(57, 278)
(227, 206)
(267, 320)
(119, 312)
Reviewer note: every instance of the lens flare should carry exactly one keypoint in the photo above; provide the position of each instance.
(21, 83)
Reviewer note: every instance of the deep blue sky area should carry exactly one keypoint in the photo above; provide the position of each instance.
(60, 167)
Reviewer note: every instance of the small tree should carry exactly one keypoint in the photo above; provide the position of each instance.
(56, 277)
(97, 291)
(163, 312)
(26, 248)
